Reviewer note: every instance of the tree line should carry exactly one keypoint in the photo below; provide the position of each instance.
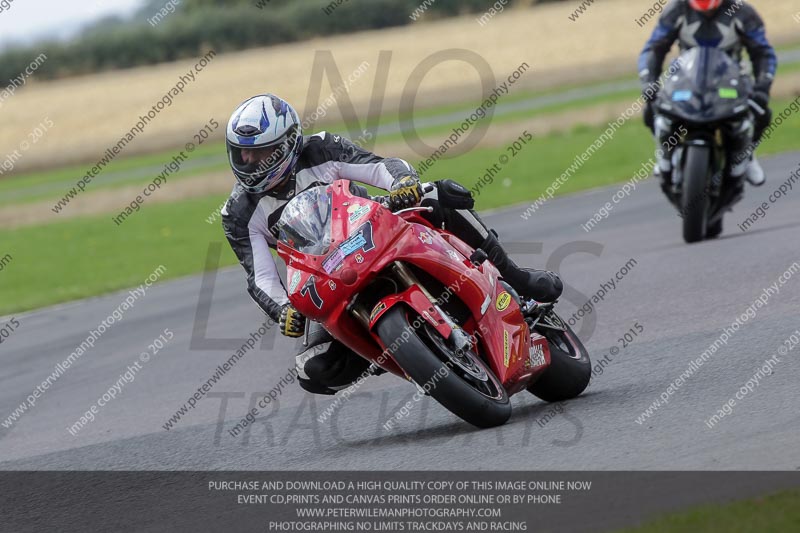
(188, 28)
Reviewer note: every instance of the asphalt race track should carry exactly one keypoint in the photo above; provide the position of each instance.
(682, 296)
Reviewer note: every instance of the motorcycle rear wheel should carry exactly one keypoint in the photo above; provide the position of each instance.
(570, 367)
(464, 385)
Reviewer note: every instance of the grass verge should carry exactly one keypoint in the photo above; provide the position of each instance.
(89, 256)
(775, 513)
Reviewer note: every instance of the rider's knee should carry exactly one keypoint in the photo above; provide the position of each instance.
(453, 195)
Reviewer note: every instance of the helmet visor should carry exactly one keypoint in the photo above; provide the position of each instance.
(255, 166)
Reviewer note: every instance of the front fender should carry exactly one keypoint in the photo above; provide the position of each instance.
(414, 298)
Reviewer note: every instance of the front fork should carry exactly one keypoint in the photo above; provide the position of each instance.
(459, 338)
(729, 147)
(425, 305)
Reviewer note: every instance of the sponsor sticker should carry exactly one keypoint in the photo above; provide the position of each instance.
(503, 301)
(357, 212)
(537, 355)
(332, 284)
(333, 261)
(681, 96)
(506, 348)
(425, 237)
(378, 308)
(361, 240)
(359, 258)
(295, 281)
(453, 255)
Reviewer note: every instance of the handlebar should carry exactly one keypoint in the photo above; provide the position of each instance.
(384, 200)
(755, 107)
(428, 209)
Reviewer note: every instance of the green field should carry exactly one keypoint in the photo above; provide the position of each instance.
(139, 170)
(95, 256)
(778, 513)
(92, 255)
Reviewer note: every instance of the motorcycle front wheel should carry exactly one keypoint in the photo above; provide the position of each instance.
(695, 200)
(461, 382)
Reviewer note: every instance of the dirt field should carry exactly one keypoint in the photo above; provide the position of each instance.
(90, 113)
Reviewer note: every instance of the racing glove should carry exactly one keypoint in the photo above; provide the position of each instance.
(649, 95)
(761, 98)
(650, 90)
(406, 192)
(291, 323)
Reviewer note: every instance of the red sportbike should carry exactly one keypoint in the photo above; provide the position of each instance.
(418, 302)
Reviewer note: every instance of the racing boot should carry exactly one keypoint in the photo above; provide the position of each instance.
(755, 173)
(732, 191)
(740, 140)
(664, 178)
(541, 285)
(664, 164)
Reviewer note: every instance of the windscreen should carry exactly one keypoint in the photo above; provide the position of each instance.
(305, 224)
(706, 84)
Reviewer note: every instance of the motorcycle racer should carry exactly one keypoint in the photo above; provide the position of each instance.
(731, 25)
(273, 162)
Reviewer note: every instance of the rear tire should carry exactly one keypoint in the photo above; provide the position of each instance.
(417, 358)
(570, 367)
(694, 199)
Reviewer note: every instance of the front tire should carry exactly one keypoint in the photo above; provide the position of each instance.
(694, 199)
(570, 367)
(482, 404)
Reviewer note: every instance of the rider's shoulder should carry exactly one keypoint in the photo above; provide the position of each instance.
(321, 137)
(325, 139)
(746, 12)
(675, 9)
(238, 203)
(323, 147)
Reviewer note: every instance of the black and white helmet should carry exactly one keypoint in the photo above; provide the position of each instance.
(268, 125)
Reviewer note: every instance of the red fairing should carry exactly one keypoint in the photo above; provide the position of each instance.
(705, 5)
(366, 239)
